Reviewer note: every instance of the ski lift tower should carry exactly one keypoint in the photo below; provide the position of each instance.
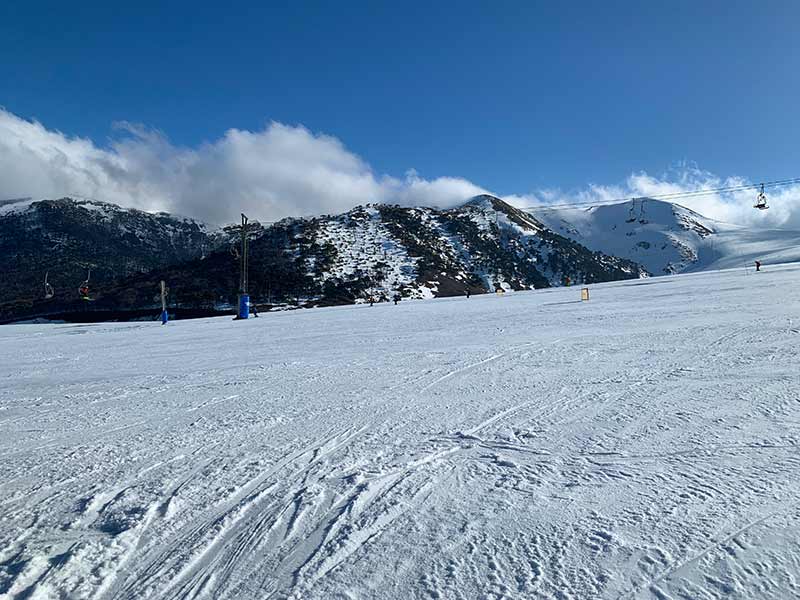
(244, 297)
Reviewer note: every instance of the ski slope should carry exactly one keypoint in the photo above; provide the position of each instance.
(643, 444)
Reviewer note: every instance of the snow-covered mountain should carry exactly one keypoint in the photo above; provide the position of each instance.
(381, 250)
(668, 238)
(483, 245)
(370, 251)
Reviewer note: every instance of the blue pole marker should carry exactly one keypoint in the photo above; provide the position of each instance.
(164, 315)
(244, 306)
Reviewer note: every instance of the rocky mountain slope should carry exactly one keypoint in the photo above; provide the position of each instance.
(70, 239)
(371, 251)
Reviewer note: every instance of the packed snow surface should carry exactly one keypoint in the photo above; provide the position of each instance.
(643, 444)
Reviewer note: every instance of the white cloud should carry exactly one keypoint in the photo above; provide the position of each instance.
(284, 170)
(269, 174)
(443, 191)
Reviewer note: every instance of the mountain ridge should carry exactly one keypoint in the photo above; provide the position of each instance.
(370, 251)
(373, 251)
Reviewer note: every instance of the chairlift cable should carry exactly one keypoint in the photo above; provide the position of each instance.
(671, 196)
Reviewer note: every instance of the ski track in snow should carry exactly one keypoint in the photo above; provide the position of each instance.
(641, 445)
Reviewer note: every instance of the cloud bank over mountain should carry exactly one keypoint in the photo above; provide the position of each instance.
(284, 170)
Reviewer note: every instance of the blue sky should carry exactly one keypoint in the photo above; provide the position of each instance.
(512, 96)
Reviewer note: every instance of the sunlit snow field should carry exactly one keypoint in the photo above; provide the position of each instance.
(642, 444)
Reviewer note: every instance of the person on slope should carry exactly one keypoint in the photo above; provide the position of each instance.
(758, 265)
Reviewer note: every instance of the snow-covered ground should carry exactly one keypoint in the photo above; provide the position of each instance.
(642, 444)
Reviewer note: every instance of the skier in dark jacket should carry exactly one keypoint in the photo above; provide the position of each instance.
(758, 266)
(396, 299)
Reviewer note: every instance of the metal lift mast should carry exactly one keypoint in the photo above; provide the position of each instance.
(244, 298)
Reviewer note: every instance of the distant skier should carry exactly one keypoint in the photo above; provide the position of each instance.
(371, 300)
(467, 292)
(254, 310)
(758, 266)
(567, 281)
(396, 299)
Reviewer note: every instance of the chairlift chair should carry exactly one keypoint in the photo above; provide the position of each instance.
(761, 200)
(631, 216)
(642, 219)
(49, 292)
(83, 289)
